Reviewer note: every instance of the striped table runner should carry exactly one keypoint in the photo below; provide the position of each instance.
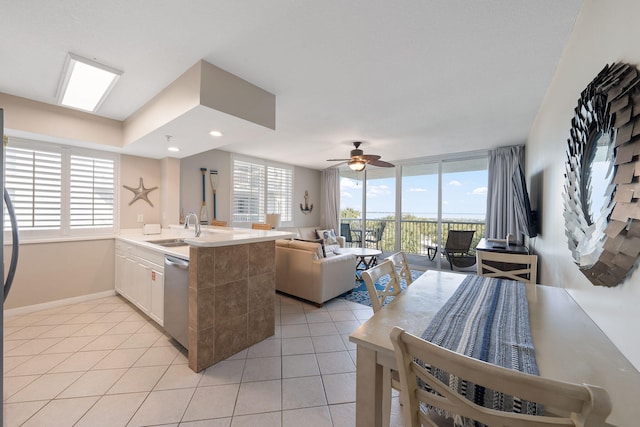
(488, 319)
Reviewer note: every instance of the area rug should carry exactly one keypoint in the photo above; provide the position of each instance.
(360, 294)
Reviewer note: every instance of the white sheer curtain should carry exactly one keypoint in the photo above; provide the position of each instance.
(501, 213)
(330, 189)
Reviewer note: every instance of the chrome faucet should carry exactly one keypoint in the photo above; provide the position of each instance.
(197, 224)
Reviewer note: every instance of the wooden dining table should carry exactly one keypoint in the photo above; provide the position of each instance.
(569, 346)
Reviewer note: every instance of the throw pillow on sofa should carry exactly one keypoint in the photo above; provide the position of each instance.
(328, 236)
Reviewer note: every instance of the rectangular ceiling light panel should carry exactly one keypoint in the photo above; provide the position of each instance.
(85, 84)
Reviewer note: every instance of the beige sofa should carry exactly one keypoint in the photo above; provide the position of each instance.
(303, 271)
(309, 233)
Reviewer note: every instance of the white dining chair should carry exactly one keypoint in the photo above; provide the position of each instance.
(399, 260)
(567, 404)
(390, 378)
(527, 271)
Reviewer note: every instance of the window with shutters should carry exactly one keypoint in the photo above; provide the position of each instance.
(261, 187)
(60, 191)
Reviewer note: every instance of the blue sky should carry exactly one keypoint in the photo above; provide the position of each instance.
(464, 195)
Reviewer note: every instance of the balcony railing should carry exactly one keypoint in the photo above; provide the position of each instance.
(415, 235)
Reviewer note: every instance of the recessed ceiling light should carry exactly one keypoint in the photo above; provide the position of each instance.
(174, 149)
(215, 133)
(84, 83)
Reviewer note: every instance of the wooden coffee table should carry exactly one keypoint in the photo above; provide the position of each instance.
(365, 257)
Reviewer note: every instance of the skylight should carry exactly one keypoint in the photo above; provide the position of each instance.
(85, 84)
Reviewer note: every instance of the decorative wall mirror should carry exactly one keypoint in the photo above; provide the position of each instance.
(601, 209)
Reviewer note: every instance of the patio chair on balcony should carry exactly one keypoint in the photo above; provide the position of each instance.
(350, 236)
(375, 236)
(458, 248)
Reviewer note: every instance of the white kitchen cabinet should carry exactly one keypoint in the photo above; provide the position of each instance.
(156, 311)
(139, 278)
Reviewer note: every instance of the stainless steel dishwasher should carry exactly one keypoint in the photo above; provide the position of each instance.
(176, 299)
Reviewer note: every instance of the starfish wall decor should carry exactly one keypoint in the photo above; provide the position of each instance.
(140, 193)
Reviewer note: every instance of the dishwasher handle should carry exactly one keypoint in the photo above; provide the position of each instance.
(176, 262)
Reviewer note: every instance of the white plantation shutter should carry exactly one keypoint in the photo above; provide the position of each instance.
(260, 188)
(280, 191)
(91, 192)
(33, 180)
(248, 192)
(58, 191)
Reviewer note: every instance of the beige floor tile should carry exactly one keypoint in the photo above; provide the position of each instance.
(324, 328)
(318, 317)
(162, 407)
(80, 361)
(302, 392)
(342, 316)
(62, 331)
(294, 331)
(112, 411)
(138, 380)
(343, 415)
(61, 412)
(11, 344)
(33, 347)
(302, 345)
(140, 340)
(299, 365)
(94, 329)
(115, 316)
(106, 342)
(293, 318)
(225, 372)
(120, 358)
(313, 417)
(262, 369)
(348, 344)
(340, 388)
(156, 356)
(335, 363)
(212, 402)
(93, 383)
(48, 386)
(258, 397)
(126, 328)
(30, 332)
(14, 384)
(26, 320)
(328, 343)
(39, 364)
(10, 363)
(217, 422)
(271, 419)
(178, 376)
(15, 414)
(70, 344)
(85, 318)
(266, 348)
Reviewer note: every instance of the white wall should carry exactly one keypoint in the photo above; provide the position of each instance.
(605, 32)
(191, 187)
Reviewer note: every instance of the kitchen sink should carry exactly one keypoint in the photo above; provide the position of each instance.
(169, 243)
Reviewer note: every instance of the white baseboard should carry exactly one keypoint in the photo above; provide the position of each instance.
(58, 303)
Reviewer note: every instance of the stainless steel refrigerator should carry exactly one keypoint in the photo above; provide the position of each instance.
(10, 272)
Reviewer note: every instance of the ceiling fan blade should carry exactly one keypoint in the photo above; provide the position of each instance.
(370, 157)
(338, 160)
(381, 163)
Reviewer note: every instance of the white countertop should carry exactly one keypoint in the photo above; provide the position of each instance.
(210, 237)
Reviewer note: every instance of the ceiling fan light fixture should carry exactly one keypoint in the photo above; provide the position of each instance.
(357, 165)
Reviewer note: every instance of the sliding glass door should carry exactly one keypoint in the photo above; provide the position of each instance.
(413, 206)
(380, 209)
